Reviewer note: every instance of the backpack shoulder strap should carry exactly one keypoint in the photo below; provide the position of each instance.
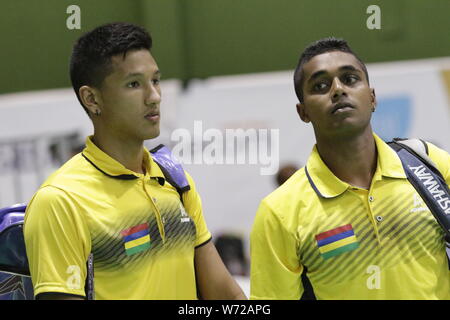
(416, 146)
(425, 177)
(171, 168)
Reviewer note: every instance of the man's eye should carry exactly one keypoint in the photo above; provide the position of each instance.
(133, 84)
(320, 86)
(156, 81)
(350, 79)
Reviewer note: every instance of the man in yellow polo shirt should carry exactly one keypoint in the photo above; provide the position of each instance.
(349, 218)
(112, 200)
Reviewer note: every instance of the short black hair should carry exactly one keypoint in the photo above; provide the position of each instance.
(91, 56)
(318, 47)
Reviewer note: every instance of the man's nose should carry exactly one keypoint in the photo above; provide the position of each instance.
(337, 90)
(153, 94)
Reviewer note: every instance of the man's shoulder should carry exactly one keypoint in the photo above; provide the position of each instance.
(286, 203)
(48, 194)
(74, 166)
(59, 189)
(440, 157)
(71, 174)
(296, 189)
(435, 152)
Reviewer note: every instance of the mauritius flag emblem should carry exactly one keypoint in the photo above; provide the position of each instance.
(337, 241)
(136, 239)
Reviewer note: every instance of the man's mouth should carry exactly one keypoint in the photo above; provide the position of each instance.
(341, 107)
(153, 116)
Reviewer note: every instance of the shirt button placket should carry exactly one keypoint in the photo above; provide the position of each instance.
(377, 218)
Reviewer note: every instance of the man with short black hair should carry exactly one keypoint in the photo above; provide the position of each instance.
(349, 216)
(112, 200)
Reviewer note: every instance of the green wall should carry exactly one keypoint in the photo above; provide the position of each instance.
(202, 38)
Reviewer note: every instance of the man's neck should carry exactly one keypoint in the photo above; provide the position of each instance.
(353, 160)
(128, 152)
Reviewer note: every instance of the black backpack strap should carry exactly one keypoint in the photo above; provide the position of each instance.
(417, 147)
(424, 175)
(308, 290)
(89, 287)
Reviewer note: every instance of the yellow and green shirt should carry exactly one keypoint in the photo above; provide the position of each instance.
(381, 243)
(141, 235)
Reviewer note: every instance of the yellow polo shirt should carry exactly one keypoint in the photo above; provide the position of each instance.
(141, 235)
(381, 243)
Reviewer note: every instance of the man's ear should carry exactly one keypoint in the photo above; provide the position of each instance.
(301, 110)
(91, 99)
(373, 99)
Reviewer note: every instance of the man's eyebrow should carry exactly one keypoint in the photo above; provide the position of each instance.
(135, 74)
(320, 73)
(349, 68)
(317, 74)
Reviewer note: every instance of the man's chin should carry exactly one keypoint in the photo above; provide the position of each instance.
(343, 129)
(350, 130)
(153, 135)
